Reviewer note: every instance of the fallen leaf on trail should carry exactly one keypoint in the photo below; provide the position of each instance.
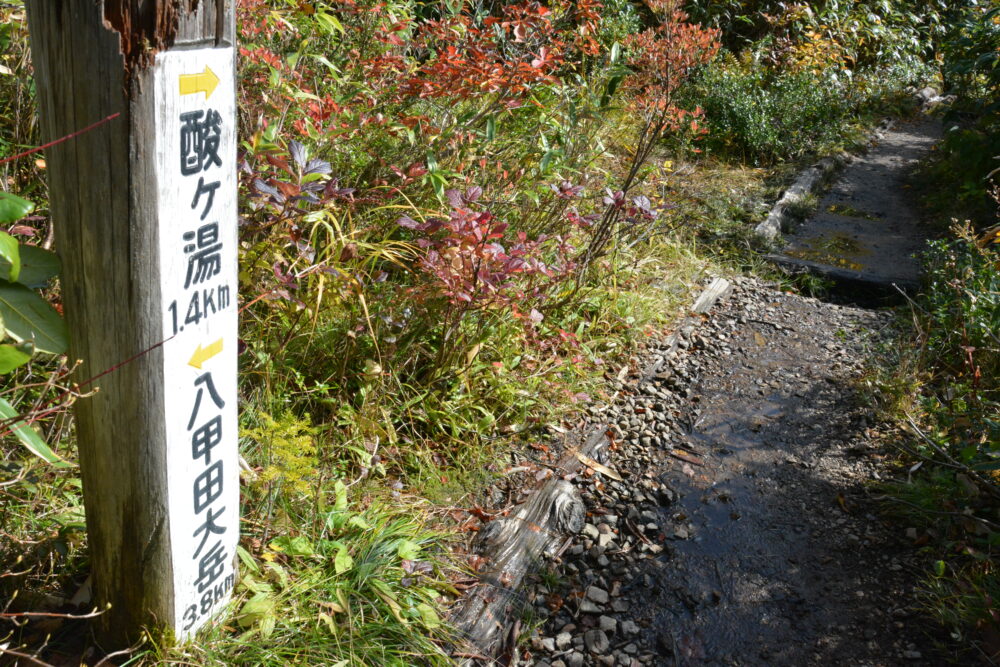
(478, 511)
(842, 501)
(599, 467)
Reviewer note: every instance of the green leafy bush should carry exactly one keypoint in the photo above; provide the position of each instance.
(763, 117)
(954, 426)
(956, 176)
(864, 33)
(972, 59)
(26, 318)
(963, 312)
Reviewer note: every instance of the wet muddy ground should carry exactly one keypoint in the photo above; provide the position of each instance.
(866, 227)
(745, 529)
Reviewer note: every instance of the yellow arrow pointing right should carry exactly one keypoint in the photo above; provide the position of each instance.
(206, 82)
(203, 354)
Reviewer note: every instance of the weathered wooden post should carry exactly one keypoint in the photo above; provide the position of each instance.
(144, 209)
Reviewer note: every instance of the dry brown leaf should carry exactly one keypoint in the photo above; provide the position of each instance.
(599, 467)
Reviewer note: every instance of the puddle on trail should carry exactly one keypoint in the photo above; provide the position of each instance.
(867, 223)
(851, 212)
(837, 249)
(735, 592)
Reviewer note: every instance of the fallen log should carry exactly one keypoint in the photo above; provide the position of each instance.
(515, 546)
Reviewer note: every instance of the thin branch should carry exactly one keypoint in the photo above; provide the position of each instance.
(989, 487)
(90, 127)
(124, 651)
(42, 614)
(958, 515)
(20, 476)
(18, 654)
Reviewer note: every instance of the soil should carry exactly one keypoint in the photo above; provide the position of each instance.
(746, 527)
(866, 229)
(745, 530)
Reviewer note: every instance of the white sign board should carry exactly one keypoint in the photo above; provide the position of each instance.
(196, 170)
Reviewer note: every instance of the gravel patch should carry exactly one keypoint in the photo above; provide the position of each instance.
(743, 531)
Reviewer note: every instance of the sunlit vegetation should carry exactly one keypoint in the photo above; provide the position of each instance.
(456, 219)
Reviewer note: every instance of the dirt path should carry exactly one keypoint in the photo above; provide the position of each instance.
(744, 531)
(866, 228)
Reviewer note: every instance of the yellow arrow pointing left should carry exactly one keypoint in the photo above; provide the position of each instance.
(206, 82)
(203, 354)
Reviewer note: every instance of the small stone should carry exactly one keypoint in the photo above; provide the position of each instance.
(912, 655)
(591, 531)
(596, 641)
(598, 595)
(607, 624)
(563, 640)
(548, 644)
(628, 627)
(574, 659)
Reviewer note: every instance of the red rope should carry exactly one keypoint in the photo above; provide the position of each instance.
(66, 138)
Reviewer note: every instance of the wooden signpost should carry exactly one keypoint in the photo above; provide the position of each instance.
(144, 210)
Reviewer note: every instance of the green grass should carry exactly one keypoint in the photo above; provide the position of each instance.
(803, 207)
(367, 588)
